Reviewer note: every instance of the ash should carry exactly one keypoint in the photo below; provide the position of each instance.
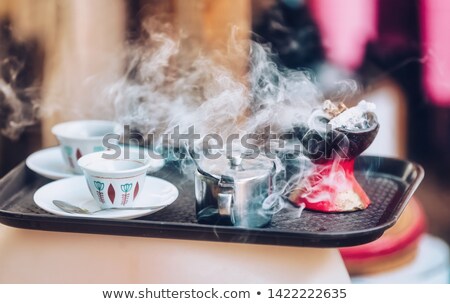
(354, 118)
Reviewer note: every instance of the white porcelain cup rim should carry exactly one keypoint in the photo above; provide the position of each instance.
(61, 130)
(86, 161)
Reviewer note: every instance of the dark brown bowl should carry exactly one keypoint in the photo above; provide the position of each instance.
(325, 145)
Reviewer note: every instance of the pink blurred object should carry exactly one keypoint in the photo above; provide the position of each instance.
(346, 26)
(435, 21)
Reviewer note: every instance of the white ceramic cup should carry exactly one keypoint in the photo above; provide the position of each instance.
(156, 160)
(81, 137)
(114, 182)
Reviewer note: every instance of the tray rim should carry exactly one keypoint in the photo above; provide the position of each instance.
(150, 228)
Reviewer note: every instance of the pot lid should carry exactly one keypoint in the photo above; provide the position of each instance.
(236, 165)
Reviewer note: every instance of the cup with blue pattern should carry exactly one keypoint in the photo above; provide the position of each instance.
(82, 137)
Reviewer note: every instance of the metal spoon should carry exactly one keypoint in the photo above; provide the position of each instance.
(69, 208)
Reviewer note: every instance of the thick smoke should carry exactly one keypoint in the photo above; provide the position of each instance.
(15, 114)
(281, 98)
(19, 77)
(166, 85)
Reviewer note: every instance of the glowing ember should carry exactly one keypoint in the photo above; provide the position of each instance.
(331, 188)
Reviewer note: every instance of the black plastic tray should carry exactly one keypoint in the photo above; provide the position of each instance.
(389, 183)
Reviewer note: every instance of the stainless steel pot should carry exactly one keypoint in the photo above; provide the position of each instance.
(232, 190)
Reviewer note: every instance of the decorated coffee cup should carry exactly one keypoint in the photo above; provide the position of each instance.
(114, 182)
(81, 137)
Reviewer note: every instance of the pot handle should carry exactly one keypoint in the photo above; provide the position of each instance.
(225, 204)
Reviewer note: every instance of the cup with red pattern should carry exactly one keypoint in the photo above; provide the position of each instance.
(81, 137)
(114, 182)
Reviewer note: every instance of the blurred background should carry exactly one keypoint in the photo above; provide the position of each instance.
(397, 50)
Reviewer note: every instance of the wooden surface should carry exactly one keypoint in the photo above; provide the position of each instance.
(28, 256)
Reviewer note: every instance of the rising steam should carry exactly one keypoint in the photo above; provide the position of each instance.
(165, 86)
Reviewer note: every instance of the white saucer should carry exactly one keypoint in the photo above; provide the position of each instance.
(49, 163)
(74, 190)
